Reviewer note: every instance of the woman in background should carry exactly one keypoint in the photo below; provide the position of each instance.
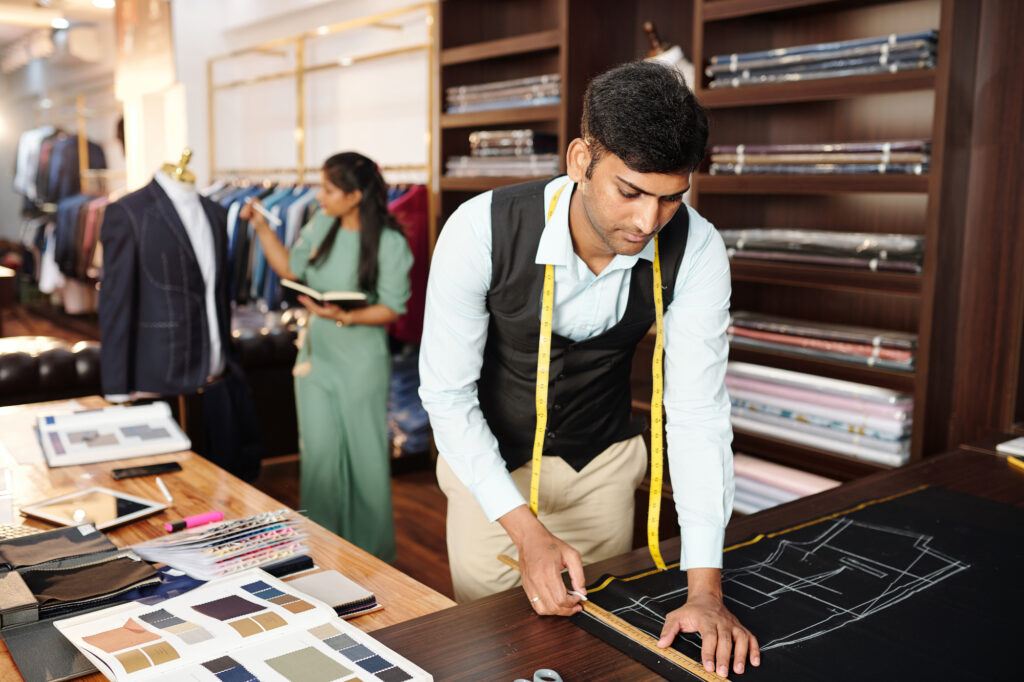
(343, 366)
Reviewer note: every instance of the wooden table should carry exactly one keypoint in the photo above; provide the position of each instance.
(201, 486)
(500, 638)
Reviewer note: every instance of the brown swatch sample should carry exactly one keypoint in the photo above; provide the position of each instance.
(269, 620)
(161, 652)
(132, 660)
(246, 627)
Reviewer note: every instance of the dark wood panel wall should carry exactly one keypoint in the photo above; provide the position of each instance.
(985, 389)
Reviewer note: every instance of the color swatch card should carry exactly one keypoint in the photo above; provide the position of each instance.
(249, 626)
(212, 551)
(115, 432)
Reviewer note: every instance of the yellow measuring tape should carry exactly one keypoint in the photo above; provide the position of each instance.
(543, 377)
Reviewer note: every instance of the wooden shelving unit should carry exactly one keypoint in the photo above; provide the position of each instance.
(815, 184)
(482, 42)
(916, 104)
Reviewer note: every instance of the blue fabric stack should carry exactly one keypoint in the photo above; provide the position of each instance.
(408, 428)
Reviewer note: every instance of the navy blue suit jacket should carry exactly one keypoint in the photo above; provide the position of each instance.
(152, 306)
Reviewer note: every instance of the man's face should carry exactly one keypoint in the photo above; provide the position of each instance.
(625, 208)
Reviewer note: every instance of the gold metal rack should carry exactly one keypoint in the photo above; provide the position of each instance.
(298, 42)
(81, 117)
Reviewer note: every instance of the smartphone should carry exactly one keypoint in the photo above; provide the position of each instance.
(147, 470)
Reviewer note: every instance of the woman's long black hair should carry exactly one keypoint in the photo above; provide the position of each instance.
(350, 171)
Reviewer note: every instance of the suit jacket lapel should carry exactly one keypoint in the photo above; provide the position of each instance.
(166, 210)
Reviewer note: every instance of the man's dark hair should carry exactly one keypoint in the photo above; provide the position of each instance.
(643, 113)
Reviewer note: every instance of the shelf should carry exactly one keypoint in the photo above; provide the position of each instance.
(501, 116)
(482, 184)
(821, 277)
(834, 369)
(813, 90)
(717, 10)
(821, 462)
(504, 47)
(811, 184)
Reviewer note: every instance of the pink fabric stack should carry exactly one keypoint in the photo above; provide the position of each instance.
(761, 484)
(857, 420)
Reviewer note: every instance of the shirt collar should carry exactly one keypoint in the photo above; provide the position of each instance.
(175, 189)
(555, 245)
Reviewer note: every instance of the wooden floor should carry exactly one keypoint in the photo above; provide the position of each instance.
(419, 504)
(419, 517)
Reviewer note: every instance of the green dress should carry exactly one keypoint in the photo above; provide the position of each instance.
(342, 398)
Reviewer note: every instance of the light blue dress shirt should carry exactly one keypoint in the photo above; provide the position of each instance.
(696, 350)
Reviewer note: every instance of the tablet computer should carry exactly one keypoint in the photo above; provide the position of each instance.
(101, 507)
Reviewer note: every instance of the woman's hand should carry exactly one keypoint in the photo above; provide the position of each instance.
(249, 212)
(329, 312)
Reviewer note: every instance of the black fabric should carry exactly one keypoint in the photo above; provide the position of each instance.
(68, 588)
(232, 431)
(152, 307)
(923, 586)
(589, 399)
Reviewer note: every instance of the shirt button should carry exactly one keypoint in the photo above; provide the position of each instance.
(556, 407)
(551, 434)
(560, 377)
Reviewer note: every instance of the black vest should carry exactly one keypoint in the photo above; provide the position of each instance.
(589, 400)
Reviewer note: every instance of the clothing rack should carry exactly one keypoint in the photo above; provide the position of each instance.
(410, 174)
(88, 177)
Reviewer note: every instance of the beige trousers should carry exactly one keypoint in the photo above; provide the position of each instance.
(591, 510)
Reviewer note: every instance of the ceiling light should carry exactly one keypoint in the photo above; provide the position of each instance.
(103, 4)
(60, 23)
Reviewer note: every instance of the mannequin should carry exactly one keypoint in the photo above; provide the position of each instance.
(164, 315)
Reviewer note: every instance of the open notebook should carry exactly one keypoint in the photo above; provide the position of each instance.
(343, 299)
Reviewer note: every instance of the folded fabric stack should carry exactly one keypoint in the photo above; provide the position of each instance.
(866, 422)
(511, 143)
(861, 250)
(761, 484)
(532, 91)
(857, 345)
(881, 54)
(525, 166)
(901, 157)
(408, 427)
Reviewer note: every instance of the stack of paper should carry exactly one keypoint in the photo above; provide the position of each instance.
(115, 432)
(212, 551)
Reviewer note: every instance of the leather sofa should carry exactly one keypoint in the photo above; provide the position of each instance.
(40, 368)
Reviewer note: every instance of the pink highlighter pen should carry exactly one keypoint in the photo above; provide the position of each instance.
(193, 521)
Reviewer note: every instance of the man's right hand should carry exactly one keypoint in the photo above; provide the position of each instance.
(542, 557)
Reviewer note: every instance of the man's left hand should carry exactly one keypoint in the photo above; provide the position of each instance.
(721, 633)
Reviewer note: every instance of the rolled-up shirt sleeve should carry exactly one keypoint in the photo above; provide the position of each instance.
(451, 354)
(696, 402)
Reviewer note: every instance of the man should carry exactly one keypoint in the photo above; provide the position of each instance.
(642, 134)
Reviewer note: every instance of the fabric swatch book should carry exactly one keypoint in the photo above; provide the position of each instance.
(215, 550)
(115, 432)
(346, 300)
(346, 597)
(249, 626)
